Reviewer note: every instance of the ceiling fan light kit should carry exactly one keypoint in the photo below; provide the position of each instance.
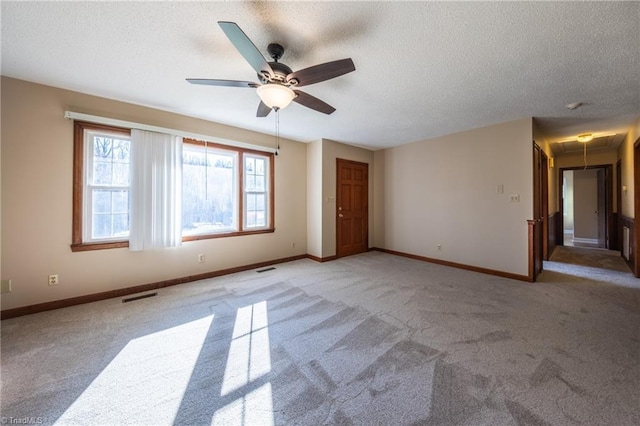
(275, 96)
(585, 137)
(277, 78)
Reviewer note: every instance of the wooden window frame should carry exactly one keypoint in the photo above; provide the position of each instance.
(77, 244)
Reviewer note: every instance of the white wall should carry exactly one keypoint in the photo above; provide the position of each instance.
(444, 191)
(37, 161)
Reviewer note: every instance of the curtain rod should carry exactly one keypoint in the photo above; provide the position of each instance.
(70, 115)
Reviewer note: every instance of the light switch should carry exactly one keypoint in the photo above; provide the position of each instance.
(500, 189)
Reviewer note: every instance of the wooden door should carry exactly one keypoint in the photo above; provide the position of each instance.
(352, 207)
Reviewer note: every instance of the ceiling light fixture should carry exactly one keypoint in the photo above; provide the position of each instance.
(574, 105)
(275, 96)
(585, 137)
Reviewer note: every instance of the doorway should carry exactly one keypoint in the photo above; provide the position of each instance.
(586, 206)
(352, 210)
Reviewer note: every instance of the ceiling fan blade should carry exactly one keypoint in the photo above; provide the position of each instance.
(263, 110)
(322, 72)
(224, 83)
(312, 102)
(246, 47)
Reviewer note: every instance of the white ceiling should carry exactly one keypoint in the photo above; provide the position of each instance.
(423, 69)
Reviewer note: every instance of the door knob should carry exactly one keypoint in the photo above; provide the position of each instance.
(340, 215)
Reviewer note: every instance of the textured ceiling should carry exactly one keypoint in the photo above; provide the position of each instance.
(423, 69)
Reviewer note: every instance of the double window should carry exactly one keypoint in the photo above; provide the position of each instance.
(226, 191)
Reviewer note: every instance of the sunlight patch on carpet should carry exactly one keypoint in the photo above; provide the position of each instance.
(255, 408)
(249, 353)
(145, 382)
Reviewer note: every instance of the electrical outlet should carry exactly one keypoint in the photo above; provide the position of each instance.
(201, 258)
(53, 279)
(439, 247)
(6, 286)
(514, 198)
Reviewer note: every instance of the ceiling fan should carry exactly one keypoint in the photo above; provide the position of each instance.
(279, 83)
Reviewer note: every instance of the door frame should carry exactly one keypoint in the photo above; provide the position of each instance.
(337, 212)
(636, 209)
(608, 185)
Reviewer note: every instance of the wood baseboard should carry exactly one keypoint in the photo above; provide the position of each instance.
(321, 259)
(56, 304)
(457, 265)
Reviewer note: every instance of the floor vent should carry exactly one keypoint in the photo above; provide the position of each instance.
(143, 296)
(265, 269)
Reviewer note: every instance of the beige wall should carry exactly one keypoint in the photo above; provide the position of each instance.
(378, 199)
(625, 153)
(314, 198)
(444, 191)
(545, 145)
(37, 154)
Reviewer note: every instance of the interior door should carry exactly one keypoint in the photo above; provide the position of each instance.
(352, 212)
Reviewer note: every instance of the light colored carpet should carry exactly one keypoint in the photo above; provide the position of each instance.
(368, 339)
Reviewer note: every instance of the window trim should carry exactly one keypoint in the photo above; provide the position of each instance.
(77, 244)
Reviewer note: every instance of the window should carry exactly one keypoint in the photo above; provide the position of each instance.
(256, 170)
(101, 186)
(209, 190)
(226, 191)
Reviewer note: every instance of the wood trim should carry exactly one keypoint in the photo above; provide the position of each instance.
(99, 246)
(47, 306)
(227, 234)
(635, 266)
(455, 265)
(531, 249)
(321, 259)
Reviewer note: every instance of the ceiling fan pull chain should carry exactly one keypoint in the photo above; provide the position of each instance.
(585, 156)
(277, 131)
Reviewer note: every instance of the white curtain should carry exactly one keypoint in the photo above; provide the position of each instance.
(156, 191)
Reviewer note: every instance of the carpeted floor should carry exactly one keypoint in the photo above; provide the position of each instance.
(368, 339)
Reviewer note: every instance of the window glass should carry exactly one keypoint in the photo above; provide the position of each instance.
(209, 190)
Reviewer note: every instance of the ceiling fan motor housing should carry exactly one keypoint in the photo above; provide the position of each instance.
(280, 73)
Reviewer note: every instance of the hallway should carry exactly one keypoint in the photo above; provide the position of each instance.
(592, 264)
